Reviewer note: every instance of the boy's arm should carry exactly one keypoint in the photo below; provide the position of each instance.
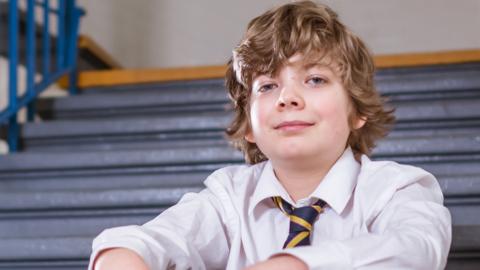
(413, 231)
(280, 262)
(119, 258)
(191, 233)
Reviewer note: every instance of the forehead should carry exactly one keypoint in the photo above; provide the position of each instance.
(302, 62)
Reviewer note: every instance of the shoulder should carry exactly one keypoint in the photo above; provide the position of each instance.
(390, 173)
(236, 179)
(380, 181)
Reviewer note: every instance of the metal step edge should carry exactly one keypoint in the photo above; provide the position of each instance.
(406, 111)
(466, 238)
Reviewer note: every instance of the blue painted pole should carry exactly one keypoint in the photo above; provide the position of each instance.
(61, 35)
(74, 15)
(46, 40)
(13, 129)
(31, 49)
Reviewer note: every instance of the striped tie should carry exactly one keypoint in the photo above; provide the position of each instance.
(301, 221)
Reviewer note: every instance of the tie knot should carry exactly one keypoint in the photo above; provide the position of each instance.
(301, 220)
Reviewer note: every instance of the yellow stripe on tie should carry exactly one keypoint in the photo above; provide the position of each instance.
(301, 222)
(297, 239)
(280, 204)
(318, 208)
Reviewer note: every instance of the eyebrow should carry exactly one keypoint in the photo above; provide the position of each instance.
(309, 65)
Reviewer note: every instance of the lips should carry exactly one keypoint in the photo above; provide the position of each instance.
(286, 125)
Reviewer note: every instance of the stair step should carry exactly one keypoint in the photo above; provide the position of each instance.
(90, 199)
(64, 248)
(457, 81)
(411, 111)
(207, 128)
(398, 143)
(456, 180)
(116, 159)
(435, 82)
(415, 150)
(72, 252)
(90, 128)
(90, 222)
(72, 223)
(104, 182)
(197, 96)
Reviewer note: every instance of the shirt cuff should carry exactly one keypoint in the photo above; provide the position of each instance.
(112, 238)
(330, 255)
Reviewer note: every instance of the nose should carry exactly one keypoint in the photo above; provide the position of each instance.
(289, 98)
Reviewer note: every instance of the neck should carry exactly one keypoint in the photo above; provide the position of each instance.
(301, 178)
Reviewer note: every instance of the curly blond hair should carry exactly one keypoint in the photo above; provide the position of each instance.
(314, 31)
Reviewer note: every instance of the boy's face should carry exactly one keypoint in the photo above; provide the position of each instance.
(301, 113)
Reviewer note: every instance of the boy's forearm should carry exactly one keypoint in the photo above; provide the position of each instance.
(280, 262)
(119, 258)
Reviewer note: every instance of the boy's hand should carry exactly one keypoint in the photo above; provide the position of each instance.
(280, 262)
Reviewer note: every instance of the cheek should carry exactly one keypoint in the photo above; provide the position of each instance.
(256, 118)
(334, 113)
(259, 113)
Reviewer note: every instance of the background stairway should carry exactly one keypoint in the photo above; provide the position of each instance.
(120, 155)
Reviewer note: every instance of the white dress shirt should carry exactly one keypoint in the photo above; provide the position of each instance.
(379, 215)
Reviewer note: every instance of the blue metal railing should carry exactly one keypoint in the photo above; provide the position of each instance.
(68, 17)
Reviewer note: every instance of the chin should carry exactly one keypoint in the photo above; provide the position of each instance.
(293, 154)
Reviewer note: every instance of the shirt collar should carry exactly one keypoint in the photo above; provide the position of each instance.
(336, 187)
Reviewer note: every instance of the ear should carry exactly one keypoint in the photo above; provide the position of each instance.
(359, 122)
(249, 137)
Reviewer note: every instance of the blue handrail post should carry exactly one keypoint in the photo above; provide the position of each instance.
(61, 35)
(31, 49)
(13, 129)
(46, 40)
(68, 15)
(72, 19)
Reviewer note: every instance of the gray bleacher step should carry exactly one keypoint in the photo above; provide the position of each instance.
(429, 82)
(421, 150)
(456, 180)
(415, 139)
(116, 159)
(195, 96)
(191, 130)
(140, 100)
(44, 265)
(437, 110)
(72, 250)
(421, 142)
(168, 125)
(89, 223)
(90, 199)
(115, 181)
(431, 110)
(61, 248)
(13, 200)
(398, 143)
(77, 223)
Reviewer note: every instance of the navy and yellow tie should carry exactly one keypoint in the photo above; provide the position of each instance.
(301, 221)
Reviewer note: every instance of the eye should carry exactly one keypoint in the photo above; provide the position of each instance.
(267, 87)
(316, 80)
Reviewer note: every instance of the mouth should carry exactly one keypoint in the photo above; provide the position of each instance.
(293, 125)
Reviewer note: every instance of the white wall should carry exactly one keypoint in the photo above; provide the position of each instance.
(167, 33)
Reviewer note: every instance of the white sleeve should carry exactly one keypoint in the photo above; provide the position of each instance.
(413, 231)
(189, 235)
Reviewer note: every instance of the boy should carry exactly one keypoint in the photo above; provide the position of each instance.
(306, 116)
